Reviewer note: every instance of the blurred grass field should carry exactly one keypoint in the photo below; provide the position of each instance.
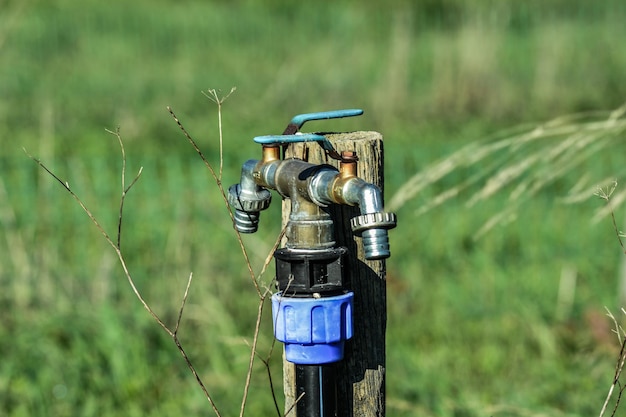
(476, 327)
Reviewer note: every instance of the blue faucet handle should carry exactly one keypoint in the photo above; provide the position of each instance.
(302, 137)
(299, 120)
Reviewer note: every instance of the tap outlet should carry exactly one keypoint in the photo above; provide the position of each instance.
(373, 229)
(345, 188)
(248, 199)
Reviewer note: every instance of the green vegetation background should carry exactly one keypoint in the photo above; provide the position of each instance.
(475, 326)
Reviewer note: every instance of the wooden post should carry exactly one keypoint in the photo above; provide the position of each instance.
(361, 375)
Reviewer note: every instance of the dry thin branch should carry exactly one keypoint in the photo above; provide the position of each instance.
(214, 96)
(293, 406)
(220, 186)
(125, 189)
(255, 340)
(253, 348)
(116, 247)
(619, 367)
(618, 330)
(266, 362)
(182, 304)
(605, 194)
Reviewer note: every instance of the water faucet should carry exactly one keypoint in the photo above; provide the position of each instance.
(312, 311)
(311, 188)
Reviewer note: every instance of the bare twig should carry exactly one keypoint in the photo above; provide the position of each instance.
(195, 146)
(294, 404)
(214, 96)
(116, 247)
(266, 362)
(605, 194)
(220, 186)
(255, 340)
(253, 350)
(618, 330)
(182, 304)
(271, 382)
(125, 189)
(106, 236)
(619, 367)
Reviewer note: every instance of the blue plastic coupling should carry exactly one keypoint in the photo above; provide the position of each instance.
(313, 329)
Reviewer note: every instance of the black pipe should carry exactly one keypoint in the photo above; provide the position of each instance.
(313, 274)
(316, 391)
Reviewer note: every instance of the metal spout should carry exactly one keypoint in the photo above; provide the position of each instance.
(372, 224)
(248, 199)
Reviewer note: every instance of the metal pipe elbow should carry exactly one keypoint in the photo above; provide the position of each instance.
(364, 194)
(372, 224)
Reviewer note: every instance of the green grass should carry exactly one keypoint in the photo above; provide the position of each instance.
(474, 327)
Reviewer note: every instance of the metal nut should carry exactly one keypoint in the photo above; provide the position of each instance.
(373, 221)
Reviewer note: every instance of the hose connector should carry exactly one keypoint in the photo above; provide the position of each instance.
(373, 229)
(248, 199)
